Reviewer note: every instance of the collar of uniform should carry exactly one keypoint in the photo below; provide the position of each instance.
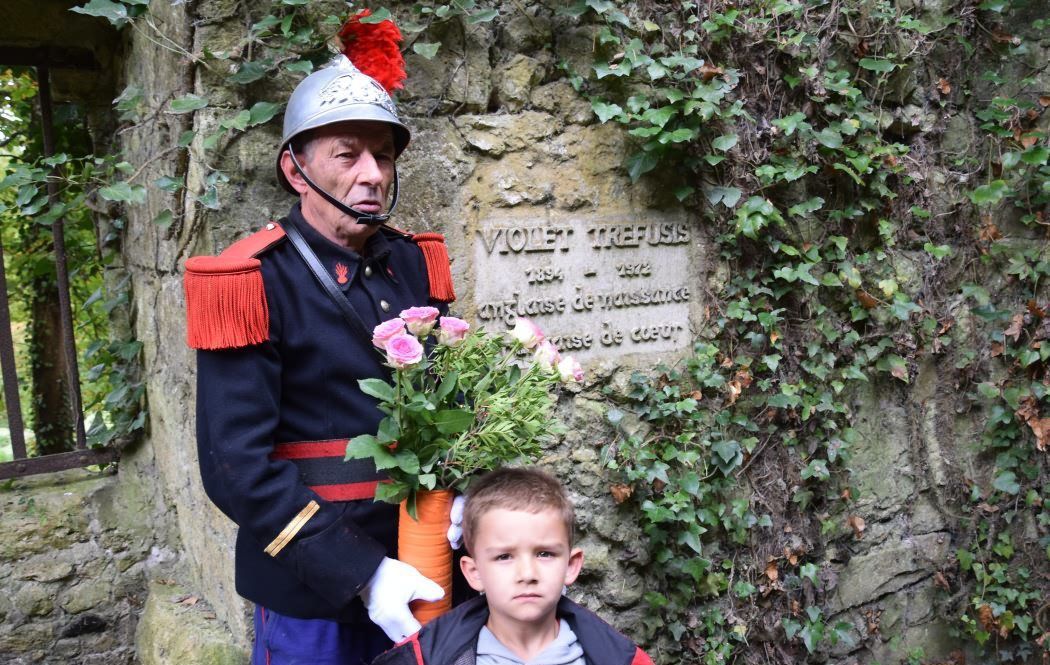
(342, 263)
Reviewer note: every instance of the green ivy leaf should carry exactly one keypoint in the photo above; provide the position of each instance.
(829, 137)
(250, 72)
(725, 143)
(164, 219)
(604, 111)
(124, 192)
(168, 184)
(684, 192)
(1006, 482)
(727, 196)
(378, 16)
(660, 116)
(990, 194)
(895, 365)
(937, 251)
(238, 122)
(640, 163)
(262, 112)
(482, 17)
(187, 104)
(114, 12)
(299, 67)
(877, 65)
(427, 49)
(1035, 156)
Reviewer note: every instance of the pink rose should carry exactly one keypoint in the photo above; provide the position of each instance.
(451, 330)
(386, 331)
(546, 354)
(420, 320)
(570, 370)
(403, 350)
(527, 332)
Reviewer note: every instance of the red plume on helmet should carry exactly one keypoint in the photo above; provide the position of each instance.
(373, 48)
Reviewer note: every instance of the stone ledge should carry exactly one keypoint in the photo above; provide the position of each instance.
(172, 632)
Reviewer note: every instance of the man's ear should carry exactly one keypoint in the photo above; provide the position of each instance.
(575, 566)
(471, 573)
(291, 173)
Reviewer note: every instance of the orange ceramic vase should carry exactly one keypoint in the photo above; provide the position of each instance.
(423, 544)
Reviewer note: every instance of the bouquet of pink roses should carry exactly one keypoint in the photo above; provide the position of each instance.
(460, 402)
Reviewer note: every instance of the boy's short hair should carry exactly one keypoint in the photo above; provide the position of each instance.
(530, 490)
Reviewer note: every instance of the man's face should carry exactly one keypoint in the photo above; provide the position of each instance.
(521, 560)
(354, 162)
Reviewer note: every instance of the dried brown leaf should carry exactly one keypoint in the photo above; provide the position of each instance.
(708, 72)
(621, 492)
(1003, 37)
(1041, 429)
(856, 522)
(771, 570)
(989, 232)
(1044, 100)
(188, 601)
(944, 86)
(997, 349)
(734, 391)
(1016, 325)
(1035, 310)
(941, 581)
(987, 619)
(866, 299)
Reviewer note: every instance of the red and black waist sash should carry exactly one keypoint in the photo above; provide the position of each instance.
(323, 470)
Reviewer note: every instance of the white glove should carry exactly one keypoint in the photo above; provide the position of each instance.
(386, 597)
(455, 515)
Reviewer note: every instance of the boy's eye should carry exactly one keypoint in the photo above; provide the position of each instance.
(545, 555)
(503, 557)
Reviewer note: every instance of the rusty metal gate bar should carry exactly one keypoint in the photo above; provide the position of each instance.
(82, 456)
(57, 228)
(15, 424)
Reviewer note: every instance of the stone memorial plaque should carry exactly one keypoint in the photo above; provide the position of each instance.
(598, 285)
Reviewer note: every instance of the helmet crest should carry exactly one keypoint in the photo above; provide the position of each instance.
(373, 48)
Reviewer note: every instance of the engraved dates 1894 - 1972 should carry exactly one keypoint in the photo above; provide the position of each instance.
(591, 284)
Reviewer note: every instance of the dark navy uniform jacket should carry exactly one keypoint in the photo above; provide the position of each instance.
(273, 420)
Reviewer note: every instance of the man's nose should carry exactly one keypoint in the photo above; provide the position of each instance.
(368, 169)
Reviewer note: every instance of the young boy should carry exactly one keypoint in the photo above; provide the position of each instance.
(518, 529)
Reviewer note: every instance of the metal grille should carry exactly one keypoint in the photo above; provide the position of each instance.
(22, 465)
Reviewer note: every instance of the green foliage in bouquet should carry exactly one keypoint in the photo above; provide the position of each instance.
(460, 402)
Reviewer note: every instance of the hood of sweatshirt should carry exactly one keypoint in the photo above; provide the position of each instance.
(564, 650)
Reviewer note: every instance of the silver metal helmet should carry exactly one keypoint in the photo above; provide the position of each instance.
(337, 93)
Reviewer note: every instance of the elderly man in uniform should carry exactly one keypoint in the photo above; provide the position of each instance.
(283, 321)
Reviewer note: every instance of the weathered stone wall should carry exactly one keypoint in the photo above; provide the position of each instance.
(72, 583)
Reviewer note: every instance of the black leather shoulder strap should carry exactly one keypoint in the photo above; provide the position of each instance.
(325, 280)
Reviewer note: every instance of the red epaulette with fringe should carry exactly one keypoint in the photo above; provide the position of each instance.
(439, 268)
(225, 300)
(435, 253)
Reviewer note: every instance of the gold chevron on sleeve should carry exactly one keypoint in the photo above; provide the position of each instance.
(292, 528)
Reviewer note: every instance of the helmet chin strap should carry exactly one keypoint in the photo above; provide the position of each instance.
(361, 217)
